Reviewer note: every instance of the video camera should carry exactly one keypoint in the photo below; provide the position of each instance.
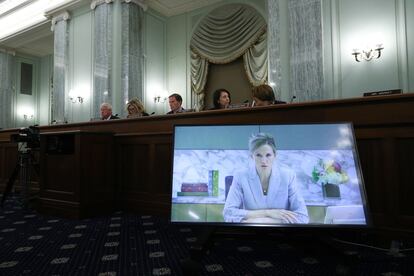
(28, 135)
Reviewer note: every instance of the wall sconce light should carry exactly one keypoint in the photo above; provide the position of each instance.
(75, 99)
(159, 99)
(27, 116)
(367, 54)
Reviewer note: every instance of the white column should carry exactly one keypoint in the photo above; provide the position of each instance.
(132, 50)
(6, 88)
(60, 67)
(102, 61)
(306, 62)
(273, 42)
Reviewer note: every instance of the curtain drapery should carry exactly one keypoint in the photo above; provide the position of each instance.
(102, 63)
(6, 89)
(132, 51)
(227, 32)
(223, 36)
(306, 61)
(255, 61)
(199, 71)
(60, 65)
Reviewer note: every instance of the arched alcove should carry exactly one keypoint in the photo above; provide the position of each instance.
(228, 33)
(230, 76)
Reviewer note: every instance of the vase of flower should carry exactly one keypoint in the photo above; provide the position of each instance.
(329, 174)
(330, 190)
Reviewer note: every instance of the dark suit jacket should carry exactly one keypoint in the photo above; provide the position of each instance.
(111, 118)
(181, 110)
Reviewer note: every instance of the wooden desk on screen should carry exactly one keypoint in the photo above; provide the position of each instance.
(384, 128)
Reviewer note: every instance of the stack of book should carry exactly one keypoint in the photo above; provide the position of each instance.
(193, 189)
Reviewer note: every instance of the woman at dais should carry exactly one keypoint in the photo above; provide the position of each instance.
(266, 192)
(221, 99)
(135, 109)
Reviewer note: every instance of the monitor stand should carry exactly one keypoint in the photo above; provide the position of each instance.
(192, 264)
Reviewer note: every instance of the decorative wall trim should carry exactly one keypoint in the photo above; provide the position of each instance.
(187, 6)
(328, 86)
(141, 3)
(96, 3)
(68, 5)
(8, 51)
(402, 47)
(16, 7)
(63, 16)
(336, 50)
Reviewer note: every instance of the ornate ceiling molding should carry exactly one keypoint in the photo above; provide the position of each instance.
(141, 3)
(8, 51)
(63, 16)
(7, 7)
(96, 3)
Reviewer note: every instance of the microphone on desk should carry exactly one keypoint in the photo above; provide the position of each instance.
(55, 122)
(292, 99)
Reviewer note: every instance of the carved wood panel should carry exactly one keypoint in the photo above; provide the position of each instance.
(404, 207)
(144, 175)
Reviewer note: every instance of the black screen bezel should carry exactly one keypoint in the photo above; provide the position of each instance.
(297, 225)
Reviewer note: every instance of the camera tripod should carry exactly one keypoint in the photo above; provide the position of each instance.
(25, 162)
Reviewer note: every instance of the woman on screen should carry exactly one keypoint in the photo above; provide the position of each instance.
(267, 192)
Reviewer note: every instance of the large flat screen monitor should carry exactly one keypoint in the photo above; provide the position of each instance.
(267, 175)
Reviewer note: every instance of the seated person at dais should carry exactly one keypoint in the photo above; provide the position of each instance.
(221, 99)
(266, 192)
(135, 109)
(175, 101)
(106, 112)
(263, 95)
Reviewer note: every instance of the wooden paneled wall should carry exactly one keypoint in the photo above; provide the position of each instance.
(384, 128)
(77, 169)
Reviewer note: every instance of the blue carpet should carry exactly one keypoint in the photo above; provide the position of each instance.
(130, 244)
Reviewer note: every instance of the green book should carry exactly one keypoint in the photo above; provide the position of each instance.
(213, 182)
(192, 193)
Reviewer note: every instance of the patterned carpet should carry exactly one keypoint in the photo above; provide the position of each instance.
(130, 244)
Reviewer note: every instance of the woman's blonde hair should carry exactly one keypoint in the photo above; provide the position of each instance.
(260, 139)
(137, 104)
